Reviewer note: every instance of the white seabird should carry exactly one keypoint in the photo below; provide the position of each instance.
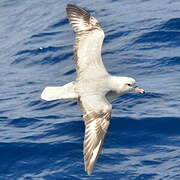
(94, 86)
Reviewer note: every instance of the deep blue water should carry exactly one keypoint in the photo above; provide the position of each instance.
(43, 140)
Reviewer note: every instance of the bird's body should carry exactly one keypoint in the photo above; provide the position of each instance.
(94, 86)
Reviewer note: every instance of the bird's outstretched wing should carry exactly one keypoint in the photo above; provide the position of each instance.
(88, 42)
(96, 118)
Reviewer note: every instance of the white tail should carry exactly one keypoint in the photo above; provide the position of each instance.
(61, 92)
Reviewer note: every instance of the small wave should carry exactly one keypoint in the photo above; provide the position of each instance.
(53, 59)
(22, 122)
(35, 57)
(60, 23)
(164, 64)
(172, 24)
(72, 71)
(39, 50)
(166, 32)
(115, 35)
(42, 55)
(48, 117)
(34, 103)
(45, 34)
(160, 36)
(167, 61)
(153, 125)
(47, 105)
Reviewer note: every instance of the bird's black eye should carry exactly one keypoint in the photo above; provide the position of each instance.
(129, 84)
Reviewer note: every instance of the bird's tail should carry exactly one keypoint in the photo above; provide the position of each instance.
(65, 92)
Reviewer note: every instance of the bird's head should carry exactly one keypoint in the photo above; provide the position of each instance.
(131, 86)
(127, 84)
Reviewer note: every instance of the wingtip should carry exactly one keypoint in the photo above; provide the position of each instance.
(73, 8)
(70, 6)
(78, 18)
(88, 167)
(89, 170)
(89, 173)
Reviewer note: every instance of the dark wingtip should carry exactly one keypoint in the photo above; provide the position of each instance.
(78, 17)
(70, 6)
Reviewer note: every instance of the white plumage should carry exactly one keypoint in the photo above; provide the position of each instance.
(94, 86)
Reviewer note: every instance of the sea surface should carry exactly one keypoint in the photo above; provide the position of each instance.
(42, 140)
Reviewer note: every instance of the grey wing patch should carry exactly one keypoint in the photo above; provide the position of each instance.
(96, 126)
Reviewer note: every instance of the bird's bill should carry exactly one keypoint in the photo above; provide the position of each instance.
(139, 90)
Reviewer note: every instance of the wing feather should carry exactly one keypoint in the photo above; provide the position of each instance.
(96, 126)
(88, 41)
(96, 118)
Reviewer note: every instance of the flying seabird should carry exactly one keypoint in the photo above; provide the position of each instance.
(94, 86)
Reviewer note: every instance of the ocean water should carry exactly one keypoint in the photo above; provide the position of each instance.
(43, 140)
